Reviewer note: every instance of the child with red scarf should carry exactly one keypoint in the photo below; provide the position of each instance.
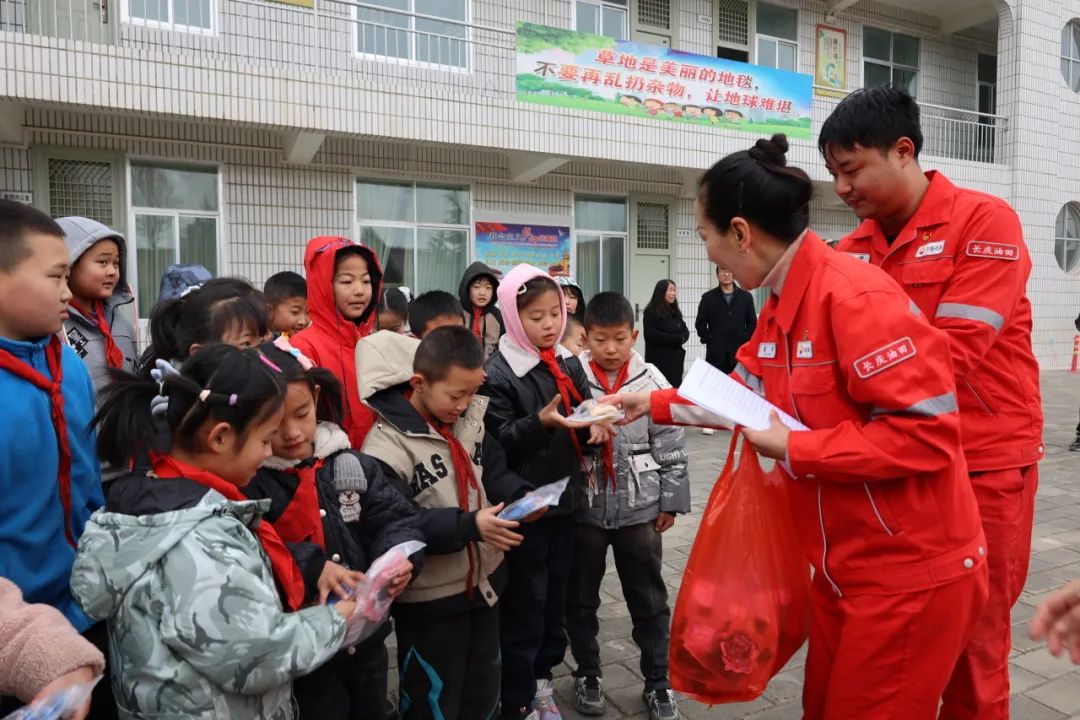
(337, 512)
(637, 486)
(180, 562)
(533, 383)
(430, 438)
(49, 476)
(99, 326)
(477, 295)
(344, 286)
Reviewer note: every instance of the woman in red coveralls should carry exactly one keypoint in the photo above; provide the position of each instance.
(879, 486)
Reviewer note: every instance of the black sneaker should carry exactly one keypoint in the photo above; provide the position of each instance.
(589, 695)
(1075, 444)
(661, 704)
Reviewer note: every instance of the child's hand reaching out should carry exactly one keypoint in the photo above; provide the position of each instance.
(550, 417)
(339, 580)
(600, 434)
(496, 531)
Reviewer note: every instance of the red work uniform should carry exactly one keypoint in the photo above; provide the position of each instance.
(878, 485)
(962, 259)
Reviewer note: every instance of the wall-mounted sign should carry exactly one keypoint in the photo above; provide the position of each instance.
(830, 70)
(23, 197)
(563, 68)
(501, 246)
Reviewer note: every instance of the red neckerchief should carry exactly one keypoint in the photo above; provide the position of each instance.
(466, 481)
(286, 573)
(569, 392)
(301, 521)
(51, 387)
(477, 323)
(113, 357)
(609, 446)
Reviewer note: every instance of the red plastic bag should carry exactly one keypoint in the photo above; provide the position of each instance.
(744, 604)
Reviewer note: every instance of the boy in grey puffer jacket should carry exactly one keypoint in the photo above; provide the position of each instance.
(99, 326)
(636, 486)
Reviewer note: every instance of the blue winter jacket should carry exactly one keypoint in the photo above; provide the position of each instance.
(34, 554)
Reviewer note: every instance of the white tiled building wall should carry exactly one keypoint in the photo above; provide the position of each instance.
(232, 96)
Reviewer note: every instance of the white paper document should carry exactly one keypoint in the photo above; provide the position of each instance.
(711, 389)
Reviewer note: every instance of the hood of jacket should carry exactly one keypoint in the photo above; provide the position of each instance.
(177, 280)
(507, 294)
(319, 259)
(81, 234)
(472, 273)
(146, 517)
(384, 360)
(567, 281)
(329, 439)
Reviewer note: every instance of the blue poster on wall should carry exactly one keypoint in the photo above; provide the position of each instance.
(501, 246)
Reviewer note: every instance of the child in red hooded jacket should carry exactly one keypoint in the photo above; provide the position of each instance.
(344, 280)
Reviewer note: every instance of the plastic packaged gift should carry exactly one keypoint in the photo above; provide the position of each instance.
(545, 496)
(596, 413)
(58, 705)
(373, 593)
(743, 607)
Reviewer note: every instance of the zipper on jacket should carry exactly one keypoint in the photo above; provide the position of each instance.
(821, 512)
(873, 505)
(977, 397)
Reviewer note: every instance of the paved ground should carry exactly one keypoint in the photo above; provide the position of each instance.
(1044, 688)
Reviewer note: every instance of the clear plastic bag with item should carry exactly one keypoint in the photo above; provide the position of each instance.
(544, 496)
(372, 595)
(57, 705)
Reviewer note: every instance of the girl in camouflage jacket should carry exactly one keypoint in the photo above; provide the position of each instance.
(178, 561)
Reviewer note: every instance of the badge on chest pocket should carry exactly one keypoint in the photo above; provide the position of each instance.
(766, 350)
(804, 350)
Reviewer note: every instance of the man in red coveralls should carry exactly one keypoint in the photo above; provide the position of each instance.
(960, 255)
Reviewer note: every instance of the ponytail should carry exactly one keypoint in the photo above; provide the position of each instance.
(296, 367)
(203, 316)
(219, 382)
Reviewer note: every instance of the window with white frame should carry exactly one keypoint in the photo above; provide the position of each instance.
(185, 15)
(176, 215)
(601, 236)
(890, 59)
(602, 17)
(777, 35)
(419, 232)
(1067, 237)
(1070, 54)
(432, 32)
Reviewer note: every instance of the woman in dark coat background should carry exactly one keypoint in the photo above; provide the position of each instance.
(665, 332)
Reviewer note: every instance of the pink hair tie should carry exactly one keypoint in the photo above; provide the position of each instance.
(270, 363)
(282, 343)
(232, 400)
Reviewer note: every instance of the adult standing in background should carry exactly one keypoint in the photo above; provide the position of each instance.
(665, 332)
(726, 319)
